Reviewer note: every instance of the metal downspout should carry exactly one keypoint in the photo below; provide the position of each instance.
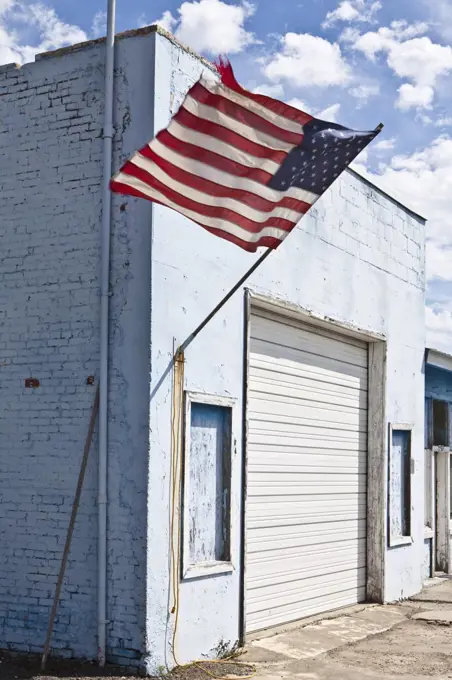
(104, 335)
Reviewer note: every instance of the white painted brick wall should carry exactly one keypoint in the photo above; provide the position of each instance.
(50, 305)
(50, 202)
(357, 257)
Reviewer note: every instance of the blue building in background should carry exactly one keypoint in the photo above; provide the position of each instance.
(438, 405)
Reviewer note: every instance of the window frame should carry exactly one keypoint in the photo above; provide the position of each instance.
(429, 470)
(400, 540)
(437, 448)
(429, 508)
(190, 570)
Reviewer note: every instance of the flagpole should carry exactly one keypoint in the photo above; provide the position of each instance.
(108, 132)
(181, 349)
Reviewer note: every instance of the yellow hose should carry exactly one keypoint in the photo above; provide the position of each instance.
(176, 444)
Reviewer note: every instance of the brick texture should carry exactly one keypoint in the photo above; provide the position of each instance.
(51, 205)
(373, 228)
(49, 297)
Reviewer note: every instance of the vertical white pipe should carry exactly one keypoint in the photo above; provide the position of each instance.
(104, 324)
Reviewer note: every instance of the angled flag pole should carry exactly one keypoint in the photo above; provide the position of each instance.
(244, 166)
(70, 531)
(181, 349)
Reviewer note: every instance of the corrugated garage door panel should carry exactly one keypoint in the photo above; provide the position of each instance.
(307, 464)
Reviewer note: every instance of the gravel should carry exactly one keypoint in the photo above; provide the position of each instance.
(27, 667)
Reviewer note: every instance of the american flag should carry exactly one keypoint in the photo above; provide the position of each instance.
(244, 166)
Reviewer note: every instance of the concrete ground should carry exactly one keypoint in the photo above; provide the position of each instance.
(411, 640)
(369, 642)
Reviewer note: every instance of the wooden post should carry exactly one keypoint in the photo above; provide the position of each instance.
(443, 561)
(70, 530)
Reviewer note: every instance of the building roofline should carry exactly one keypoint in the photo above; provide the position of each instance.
(392, 198)
(134, 33)
(443, 359)
(446, 355)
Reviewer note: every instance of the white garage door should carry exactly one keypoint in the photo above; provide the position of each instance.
(306, 485)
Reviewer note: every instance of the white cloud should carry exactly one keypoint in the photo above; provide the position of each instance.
(415, 96)
(17, 18)
(307, 60)
(441, 13)
(402, 30)
(99, 24)
(302, 105)
(410, 55)
(385, 39)
(384, 144)
(345, 11)
(439, 258)
(270, 90)
(420, 59)
(439, 328)
(329, 113)
(5, 5)
(54, 32)
(167, 21)
(444, 121)
(352, 10)
(364, 92)
(211, 26)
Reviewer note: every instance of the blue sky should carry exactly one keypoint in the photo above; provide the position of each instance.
(358, 62)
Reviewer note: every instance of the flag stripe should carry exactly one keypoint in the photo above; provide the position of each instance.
(243, 166)
(155, 165)
(188, 120)
(224, 179)
(248, 103)
(212, 211)
(201, 142)
(147, 157)
(213, 115)
(244, 116)
(132, 185)
(212, 158)
(274, 105)
(148, 171)
(263, 242)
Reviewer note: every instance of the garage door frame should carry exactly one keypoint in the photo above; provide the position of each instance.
(376, 470)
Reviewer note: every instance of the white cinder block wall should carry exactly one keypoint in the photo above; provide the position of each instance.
(358, 257)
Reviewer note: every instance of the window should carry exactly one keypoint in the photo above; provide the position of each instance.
(207, 485)
(438, 439)
(400, 485)
(440, 423)
(428, 424)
